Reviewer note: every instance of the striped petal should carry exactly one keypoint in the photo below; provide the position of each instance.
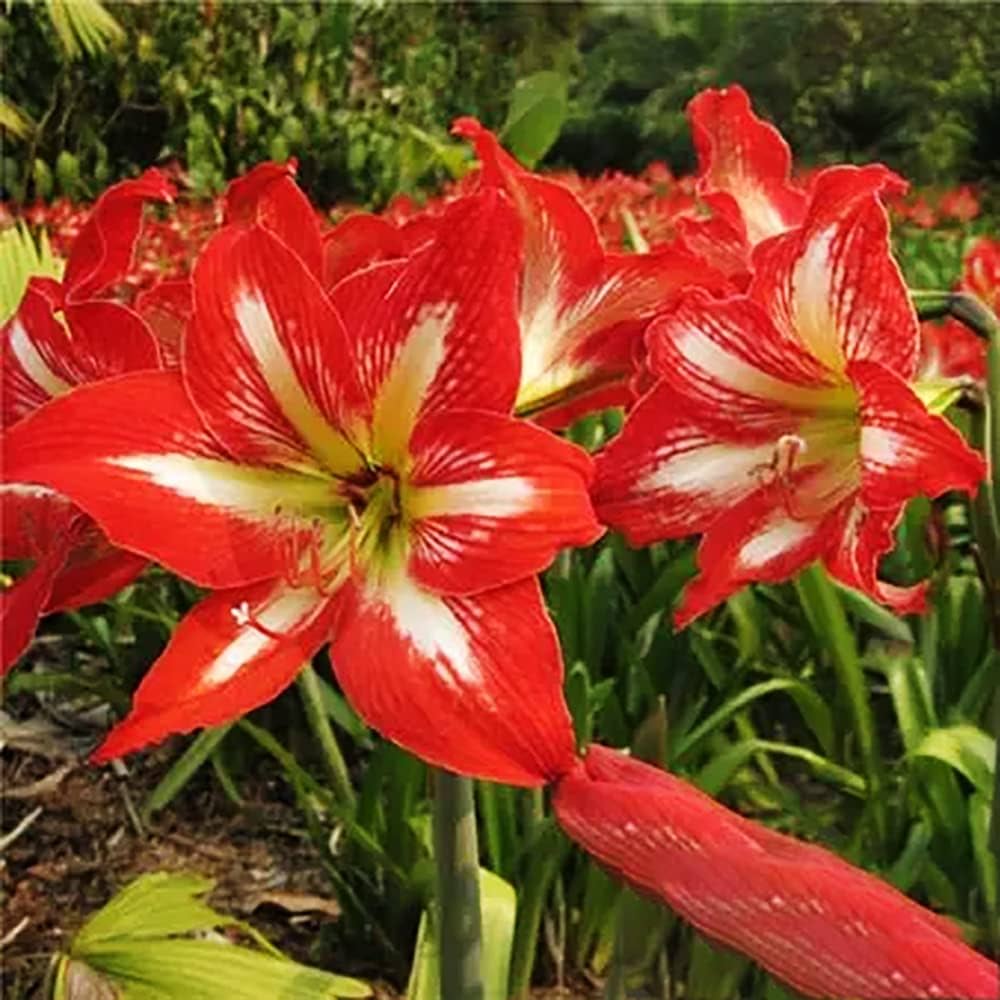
(492, 500)
(44, 356)
(449, 679)
(438, 331)
(266, 359)
(727, 354)
(133, 453)
(906, 451)
(102, 253)
(268, 195)
(166, 308)
(672, 470)
(767, 537)
(833, 284)
(233, 652)
(814, 921)
(747, 158)
(364, 239)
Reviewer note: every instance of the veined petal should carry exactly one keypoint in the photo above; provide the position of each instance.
(266, 359)
(816, 922)
(906, 451)
(23, 603)
(44, 357)
(442, 331)
(833, 284)
(672, 471)
(746, 157)
(492, 499)
(102, 253)
(166, 308)
(233, 652)
(863, 537)
(727, 353)
(365, 239)
(32, 519)
(450, 679)
(94, 570)
(133, 453)
(767, 537)
(721, 244)
(269, 196)
(591, 334)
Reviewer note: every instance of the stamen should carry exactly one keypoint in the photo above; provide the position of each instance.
(243, 616)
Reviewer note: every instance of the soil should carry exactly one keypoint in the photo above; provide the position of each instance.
(81, 841)
(70, 838)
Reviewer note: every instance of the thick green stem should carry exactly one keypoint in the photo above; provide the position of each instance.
(319, 722)
(456, 857)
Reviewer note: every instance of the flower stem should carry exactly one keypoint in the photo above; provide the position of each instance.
(456, 856)
(319, 722)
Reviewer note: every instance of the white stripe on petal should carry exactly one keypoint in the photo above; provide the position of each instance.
(881, 446)
(812, 292)
(426, 621)
(711, 470)
(405, 388)
(254, 492)
(286, 611)
(31, 360)
(275, 366)
(505, 496)
(731, 372)
(773, 541)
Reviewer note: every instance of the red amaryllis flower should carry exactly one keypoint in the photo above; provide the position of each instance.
(783, 425)
(61, 337)
(981, 271)
(961, 203)
(823, 926)
(582, 311)
(342, 464)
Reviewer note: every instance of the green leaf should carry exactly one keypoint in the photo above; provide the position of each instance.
(179, 969)
(184, 768)
(84, 26)
(498, 904)
(22, 258)
(966, 749)
(538, 109)
(135, 943)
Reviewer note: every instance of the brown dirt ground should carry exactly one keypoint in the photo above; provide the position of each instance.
(82, 846)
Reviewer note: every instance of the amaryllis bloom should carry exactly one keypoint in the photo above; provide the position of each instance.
(783, 426)
(61, 337)
(341, 467)
(981, 271)
(961, 203)
(582, 311)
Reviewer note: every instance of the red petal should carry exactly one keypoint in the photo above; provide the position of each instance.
(906, 451)
(811, 919)
(443, 333)
(266, 360)
(22, 604)
(721, 244)
(269, 196)
(471, 684)
(32, 520)
(166, 308)
(727, 354)
(357, 242)
(950, 351)
(863, 537)
(671, 473)
(833, 284)
(587, 335)
(492, 501)
(102, 253)
(766, 537)
(42, 358)
(215, 669)
(133, 454)
(746, 157)
(94, 571)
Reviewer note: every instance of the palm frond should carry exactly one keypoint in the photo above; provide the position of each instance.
(84, 26)
(22, 258)
(13, 120)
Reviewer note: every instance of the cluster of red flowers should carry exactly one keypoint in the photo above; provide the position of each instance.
(347, 438)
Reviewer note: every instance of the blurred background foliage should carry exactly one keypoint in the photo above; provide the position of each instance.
(363, 92)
